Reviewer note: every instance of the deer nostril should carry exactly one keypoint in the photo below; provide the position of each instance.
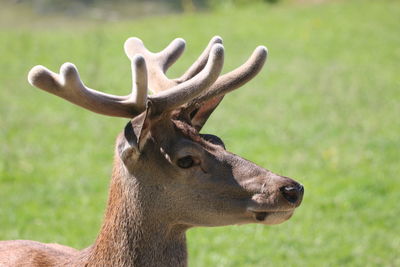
(301, 188)
(292, 193)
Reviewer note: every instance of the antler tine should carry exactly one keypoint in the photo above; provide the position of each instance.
(199, 64)
(69, 86)
(163, 59)
(171, 53)
(157, 63)
(236, 78)
(139, 83)
(184, 92)
(135, 46)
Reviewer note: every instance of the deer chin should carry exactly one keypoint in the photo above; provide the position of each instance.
(266, 211)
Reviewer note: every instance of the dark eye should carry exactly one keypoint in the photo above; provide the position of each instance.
(186, 162)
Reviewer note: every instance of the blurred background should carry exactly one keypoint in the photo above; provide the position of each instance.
(325, 111)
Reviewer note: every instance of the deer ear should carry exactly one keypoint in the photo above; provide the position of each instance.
(200, 116)
(135, 135)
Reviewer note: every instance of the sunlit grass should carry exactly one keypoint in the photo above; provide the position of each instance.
(324, 111)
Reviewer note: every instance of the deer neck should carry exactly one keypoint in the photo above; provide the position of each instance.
(131, 234)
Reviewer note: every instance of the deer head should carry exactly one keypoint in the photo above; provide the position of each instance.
(166, 172)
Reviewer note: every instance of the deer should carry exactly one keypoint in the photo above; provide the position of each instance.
(167, 177)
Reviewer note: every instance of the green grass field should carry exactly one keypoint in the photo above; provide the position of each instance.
(325, 111)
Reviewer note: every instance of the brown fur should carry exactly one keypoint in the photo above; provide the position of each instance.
(144, 222)
(166, 177)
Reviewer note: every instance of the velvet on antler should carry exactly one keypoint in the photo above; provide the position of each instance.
(200, 83)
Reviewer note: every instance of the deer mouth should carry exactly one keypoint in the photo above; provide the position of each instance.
(260, 216)
(271, 217)
(267, 210)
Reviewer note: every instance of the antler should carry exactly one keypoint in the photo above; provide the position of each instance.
(158, 63)
(236, 78)
(69, 86)
(198, 84)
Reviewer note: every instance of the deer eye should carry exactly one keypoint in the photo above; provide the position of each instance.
(185, 162)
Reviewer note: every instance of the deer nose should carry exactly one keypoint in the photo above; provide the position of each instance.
(293, 193)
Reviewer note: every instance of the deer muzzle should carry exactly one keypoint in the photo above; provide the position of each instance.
(278, 202)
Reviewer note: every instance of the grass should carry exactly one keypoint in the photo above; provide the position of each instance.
(324, 111)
